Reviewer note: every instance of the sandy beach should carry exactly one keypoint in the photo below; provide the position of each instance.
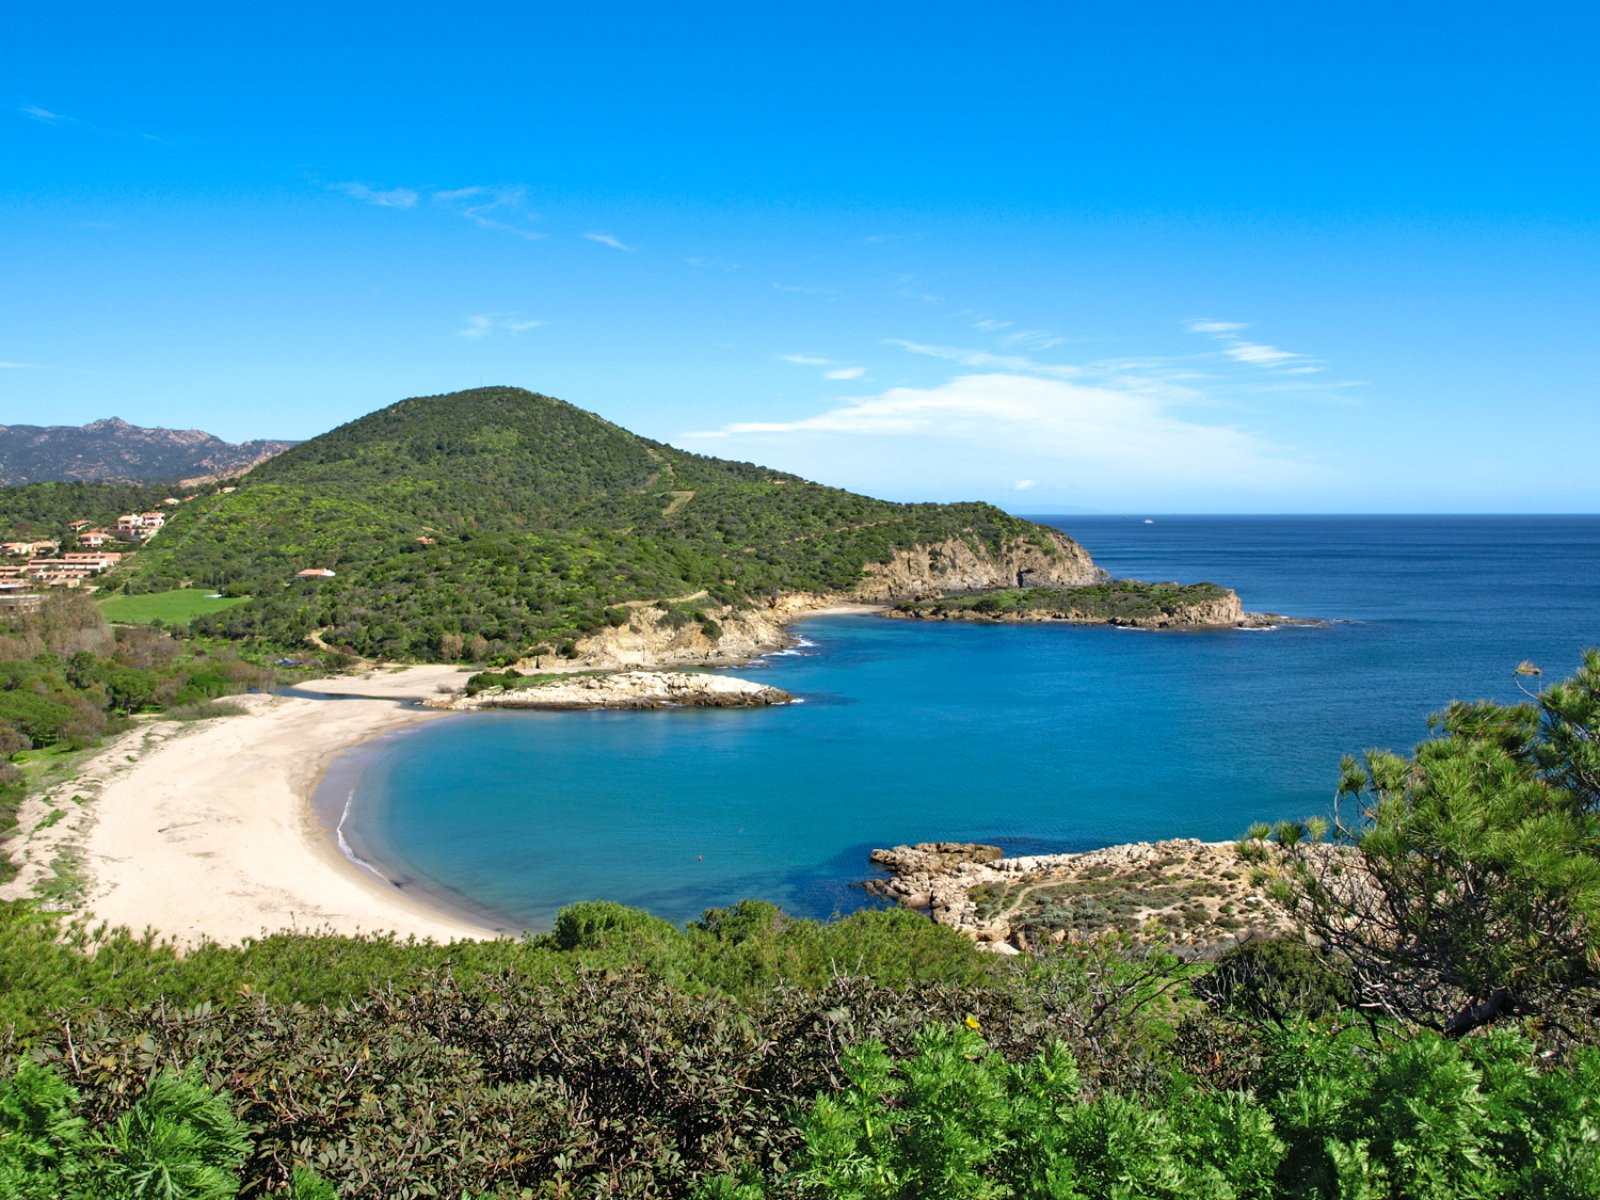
(206, 831)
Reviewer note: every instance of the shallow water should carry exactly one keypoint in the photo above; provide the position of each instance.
(1035, 737)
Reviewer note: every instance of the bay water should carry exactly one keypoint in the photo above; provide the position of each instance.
(1033, 737)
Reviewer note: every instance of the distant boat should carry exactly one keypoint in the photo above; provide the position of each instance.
(1148, 521)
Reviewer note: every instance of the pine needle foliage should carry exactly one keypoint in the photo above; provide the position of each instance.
(1463, 886)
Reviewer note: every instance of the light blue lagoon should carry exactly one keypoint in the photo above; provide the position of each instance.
(1033, 737)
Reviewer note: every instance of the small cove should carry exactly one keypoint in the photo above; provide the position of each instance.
(1036, 737)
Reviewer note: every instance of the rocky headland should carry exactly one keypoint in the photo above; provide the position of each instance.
(623, 689)
(655, 635)
(1129, 603)
(1191, 896)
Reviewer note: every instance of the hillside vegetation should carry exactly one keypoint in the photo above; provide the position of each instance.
(1119, 600)
(489, 523)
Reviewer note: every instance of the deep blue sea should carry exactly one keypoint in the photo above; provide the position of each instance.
(1034, 737)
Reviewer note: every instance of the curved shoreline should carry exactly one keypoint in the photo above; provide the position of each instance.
(209, 834)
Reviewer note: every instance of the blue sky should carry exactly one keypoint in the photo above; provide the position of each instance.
(1165, 257)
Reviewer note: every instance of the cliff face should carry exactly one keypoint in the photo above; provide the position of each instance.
(954, 566)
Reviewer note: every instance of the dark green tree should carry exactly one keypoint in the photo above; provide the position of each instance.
(1462, 884)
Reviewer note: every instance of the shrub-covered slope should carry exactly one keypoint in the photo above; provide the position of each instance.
(489, 522)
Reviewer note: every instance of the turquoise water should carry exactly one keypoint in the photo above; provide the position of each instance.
(1035, 737)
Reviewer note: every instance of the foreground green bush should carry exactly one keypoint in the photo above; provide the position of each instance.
(177, 1141)
(1332, 1116)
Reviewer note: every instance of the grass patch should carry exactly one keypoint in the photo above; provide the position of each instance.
(177, 607)
(203, 710)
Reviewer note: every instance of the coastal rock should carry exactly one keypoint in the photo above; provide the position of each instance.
(955, 566)
(1191, 896)
(650, 638)
(626, 689)
(935, 857)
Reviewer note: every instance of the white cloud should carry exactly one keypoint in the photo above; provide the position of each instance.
(16, 366)
(606, 239)
(1258, 354)
(990, 325)
(1023, 485)
(482, 325)
(806, 360)
(43, 115)
(845, 373)
(1255, 354)
(799, 290)
(400, 197)
(1108, 441)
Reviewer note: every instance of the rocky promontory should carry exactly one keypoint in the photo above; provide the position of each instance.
(1126, 602)
(1192, 896)
(623, 689)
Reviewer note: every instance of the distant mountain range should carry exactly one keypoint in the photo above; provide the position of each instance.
(112, 449)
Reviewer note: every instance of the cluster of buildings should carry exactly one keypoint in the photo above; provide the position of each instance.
(27, 566)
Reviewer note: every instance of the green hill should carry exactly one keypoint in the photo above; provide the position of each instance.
(487, 523)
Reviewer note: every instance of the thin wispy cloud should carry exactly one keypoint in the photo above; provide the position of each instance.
(801, 290)
(1254, 354)
(984, 359)
(22, 366)
(1031, 339)
(482, 325)
(989, 325)
(1023, 485)
(400, 197)
(501, 209)
(45, 116)
(606, 239)
(836, 371)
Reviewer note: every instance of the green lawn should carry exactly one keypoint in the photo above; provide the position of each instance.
(177, 607)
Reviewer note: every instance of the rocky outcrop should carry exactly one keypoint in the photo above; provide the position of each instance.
(626, 689)
(955, 565)
(1195, 897)
(651, 638)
